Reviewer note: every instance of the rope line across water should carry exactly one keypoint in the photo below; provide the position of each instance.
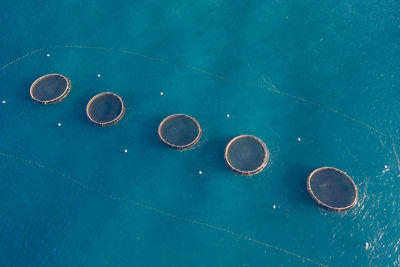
(160, 211)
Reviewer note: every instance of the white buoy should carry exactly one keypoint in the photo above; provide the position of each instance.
(126, 150)
(227, 115)
(48, 55)
(299, 139)
(273, 206)
(3, 101)
(161, 93)
(200, 172)
(98, 75)
(59, 124)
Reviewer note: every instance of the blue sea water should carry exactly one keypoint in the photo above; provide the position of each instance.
(317, 81)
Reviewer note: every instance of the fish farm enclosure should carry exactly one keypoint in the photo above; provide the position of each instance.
(50, 88)
(179, 131)
(105, 109)
(219, 117)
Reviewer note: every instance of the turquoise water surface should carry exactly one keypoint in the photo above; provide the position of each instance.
(317, 81)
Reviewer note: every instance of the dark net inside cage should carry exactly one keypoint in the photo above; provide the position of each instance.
(49, 88)
(333, 188)
(179, 130)
(246, 154)
(105, 108)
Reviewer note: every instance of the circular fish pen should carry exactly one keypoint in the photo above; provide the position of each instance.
(50, 88)
(332, 189)
(246, 154)
(179, 131)
(105, 109)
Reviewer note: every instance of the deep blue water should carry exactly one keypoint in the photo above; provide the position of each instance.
(317, 81)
